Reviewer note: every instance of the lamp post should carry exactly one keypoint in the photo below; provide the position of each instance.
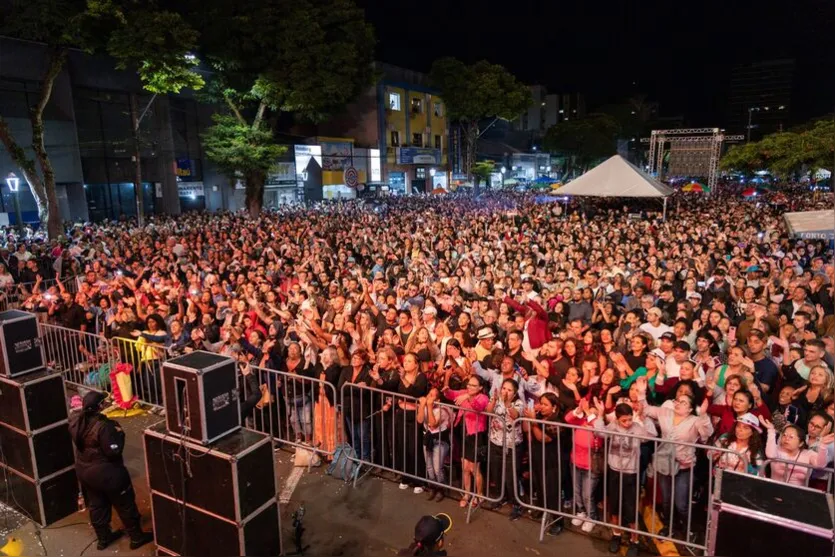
(750, 116)
(14, 186)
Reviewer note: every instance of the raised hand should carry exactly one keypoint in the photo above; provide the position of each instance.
(766, 424)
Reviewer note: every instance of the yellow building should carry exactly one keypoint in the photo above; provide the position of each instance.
(414, 133)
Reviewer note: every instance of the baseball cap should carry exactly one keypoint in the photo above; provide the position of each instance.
(694, 295)
(485, 332)
(658, 353)
(683, 345)
(430, 310)
(750, 419)
(668, 336)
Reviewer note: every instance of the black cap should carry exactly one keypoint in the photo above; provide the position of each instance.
(93, 400)
(668, 336)
(430, 529)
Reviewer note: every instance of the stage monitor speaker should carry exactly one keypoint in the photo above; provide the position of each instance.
(45, 501)
(185, 530)
(37, 454)
(757, 516)
(20, 343)
(33, 401)
(230, 478)
(200, 395)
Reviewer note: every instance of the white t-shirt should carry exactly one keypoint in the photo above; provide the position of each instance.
(656, 332)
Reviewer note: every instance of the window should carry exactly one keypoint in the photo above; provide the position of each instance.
(417, 106)
(438, 109)
(437, 142)
(417, 139)
(420, 173)
(394, 101)
(395, 138)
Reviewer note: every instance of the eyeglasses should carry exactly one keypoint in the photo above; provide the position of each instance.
(815, 426)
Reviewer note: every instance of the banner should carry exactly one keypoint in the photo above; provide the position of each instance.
(184, 168)
(418, 155)
(190, 189)
(285, 173)
(336, 155)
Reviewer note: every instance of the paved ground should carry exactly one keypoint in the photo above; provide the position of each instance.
(375, 518)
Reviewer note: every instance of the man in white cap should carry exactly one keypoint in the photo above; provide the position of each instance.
(654, 326)
(695, 300)
(430, 321)
(486, 343)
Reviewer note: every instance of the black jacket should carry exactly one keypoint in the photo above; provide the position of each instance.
(99, 442)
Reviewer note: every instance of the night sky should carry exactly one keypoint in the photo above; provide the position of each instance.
(679, 53)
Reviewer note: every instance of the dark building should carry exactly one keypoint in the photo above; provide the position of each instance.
(760, 96)
(89, 139)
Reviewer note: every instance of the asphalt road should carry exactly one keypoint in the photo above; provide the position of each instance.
(375, 518)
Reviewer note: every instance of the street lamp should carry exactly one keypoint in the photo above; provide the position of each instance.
(750, 115)
(14, 186)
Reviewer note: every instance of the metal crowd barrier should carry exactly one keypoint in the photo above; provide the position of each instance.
(386, 437)
(13, 296)
(636, 509)
(87, 359)
(294, 410)
(828, 472)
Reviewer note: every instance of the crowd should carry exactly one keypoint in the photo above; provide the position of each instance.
(713, 328)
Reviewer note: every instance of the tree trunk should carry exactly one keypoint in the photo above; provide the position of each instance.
(255, 181)
(137, 163)
(44, 191)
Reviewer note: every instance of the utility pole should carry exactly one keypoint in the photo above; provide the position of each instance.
(136, 120)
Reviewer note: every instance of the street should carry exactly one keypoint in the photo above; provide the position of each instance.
(375, 518)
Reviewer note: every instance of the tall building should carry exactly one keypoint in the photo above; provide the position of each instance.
(89, 139)
(761, 94)
(548, 109)
(405, 118)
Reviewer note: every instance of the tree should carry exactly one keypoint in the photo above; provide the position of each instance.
(305, 57)
(482, 171)
(139, 35)
(473, 93)
(800, 150)
(583, 141)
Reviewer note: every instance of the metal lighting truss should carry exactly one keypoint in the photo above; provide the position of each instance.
(709, 139)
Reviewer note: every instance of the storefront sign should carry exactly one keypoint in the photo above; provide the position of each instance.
(418, 155)
(184, 169)
(190, 189)
(285, 173)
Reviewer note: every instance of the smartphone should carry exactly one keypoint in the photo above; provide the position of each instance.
(530, 404)
(700, 284)
(732, 334)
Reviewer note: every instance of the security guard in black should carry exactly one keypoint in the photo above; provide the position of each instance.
(105, 480)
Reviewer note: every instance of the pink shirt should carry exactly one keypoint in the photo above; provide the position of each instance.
(474, 420)
(794, 474)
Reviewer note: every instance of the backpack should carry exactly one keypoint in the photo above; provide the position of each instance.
(342, 467)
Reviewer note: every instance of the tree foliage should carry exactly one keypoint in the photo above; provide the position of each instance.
(583, 141)
(138, 34)
(307, 57)
(788, 153)
(482, 170)
(475, 92)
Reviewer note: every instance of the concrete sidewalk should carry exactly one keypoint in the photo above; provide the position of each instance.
(375, 518)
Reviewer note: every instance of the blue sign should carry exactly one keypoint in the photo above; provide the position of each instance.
(184, 169)
(397, 181)
(418, 155)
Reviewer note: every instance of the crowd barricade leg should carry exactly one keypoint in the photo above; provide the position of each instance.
(631, 507)
(296, 411)
(386, 437)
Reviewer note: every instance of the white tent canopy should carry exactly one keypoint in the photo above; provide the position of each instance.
(616, 177)
(811, 225)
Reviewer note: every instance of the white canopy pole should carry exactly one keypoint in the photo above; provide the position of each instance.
(664, 217)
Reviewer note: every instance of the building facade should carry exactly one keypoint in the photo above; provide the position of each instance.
(90, 141)
(549, 109)
(761, 97)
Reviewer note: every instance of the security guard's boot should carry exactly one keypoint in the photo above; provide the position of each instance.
(107, 537)
(140, 538)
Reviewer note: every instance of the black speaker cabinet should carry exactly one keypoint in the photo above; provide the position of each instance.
(200, 395)
(187, 530)
(757, 516)
(33, 401)
(230, 478)
(19, 343)
(39, 453)
(45, 501)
